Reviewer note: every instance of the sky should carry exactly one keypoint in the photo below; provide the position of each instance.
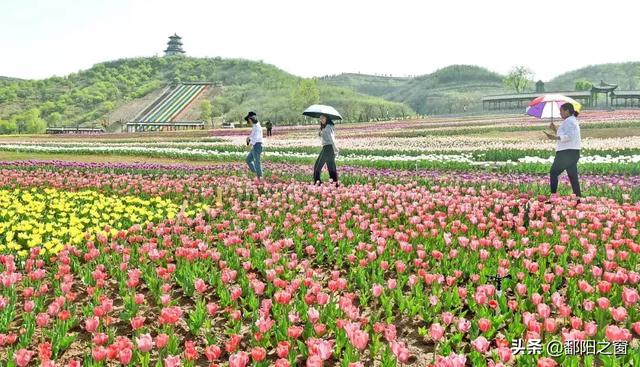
(42, 38)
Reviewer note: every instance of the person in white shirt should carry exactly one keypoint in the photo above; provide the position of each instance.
(567, 150)
(255, 140)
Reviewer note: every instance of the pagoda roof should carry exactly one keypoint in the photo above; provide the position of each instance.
(604, 86)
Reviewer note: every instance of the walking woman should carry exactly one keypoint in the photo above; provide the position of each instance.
(567, 150)
(255, 140)
(329, 151)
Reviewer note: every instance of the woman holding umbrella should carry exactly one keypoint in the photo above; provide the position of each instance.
(568, 149)
(329, 151)
(326, 114)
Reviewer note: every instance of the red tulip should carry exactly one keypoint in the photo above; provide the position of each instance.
(258, 354)
(212, 353)
(137, 322)
(162, 340)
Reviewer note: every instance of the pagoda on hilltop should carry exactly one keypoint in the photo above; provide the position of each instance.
(174, 46)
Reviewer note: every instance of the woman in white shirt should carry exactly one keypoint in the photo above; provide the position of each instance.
(255, 140)
(329, 151)
(567, 150)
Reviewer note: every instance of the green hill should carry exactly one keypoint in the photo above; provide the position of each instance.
(625, 75)
(372, 85)
(448, 90)
(88, 96)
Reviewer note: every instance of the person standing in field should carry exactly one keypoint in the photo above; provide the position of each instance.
(567, 150)
(329, 151)
(255, 141)
(269, 127)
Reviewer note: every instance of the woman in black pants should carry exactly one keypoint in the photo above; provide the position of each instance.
(329, 151)
(567, 150)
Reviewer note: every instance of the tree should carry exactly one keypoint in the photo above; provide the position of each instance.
(306, 94)
(29, 122)
(206, 111)
(582, 85)
(8, 127)
(519, 78)
(55, 119)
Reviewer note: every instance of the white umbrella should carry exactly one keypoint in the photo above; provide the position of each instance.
(319, 109)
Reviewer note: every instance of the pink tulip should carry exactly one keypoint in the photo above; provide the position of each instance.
(294, 332)
(42, 320)
(91, 324)
(320, 329)
(546, 362)
(200, 285)
(603, 303)
(550, 325)
(447, 318)
(313, 315)
(162, 340)
(282, 350)
(619, 314)
(240, 359)
(590, 328)
(400, 351)
(390, 333)
(392, 283)
(322, 348)
(453, 360)
(629, 296)
(536, 299)
(464, 325)
(145, 343)
(314, 361)
(376, 289)
(172, 361)
(137, 322)
(481, 344)
(614, 333)
(437, 332)
(212, 353)
(359, 339)
(22, 357)
(125, 355)
(99, 353)
(504, 354)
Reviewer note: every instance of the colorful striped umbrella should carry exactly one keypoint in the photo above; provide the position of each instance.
(548, 106)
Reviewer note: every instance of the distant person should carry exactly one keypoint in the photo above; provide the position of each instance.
(269, 126)
(567, 150)
(329, 151)
(255, 140)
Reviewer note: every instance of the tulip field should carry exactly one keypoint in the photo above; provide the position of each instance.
(440, 247)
